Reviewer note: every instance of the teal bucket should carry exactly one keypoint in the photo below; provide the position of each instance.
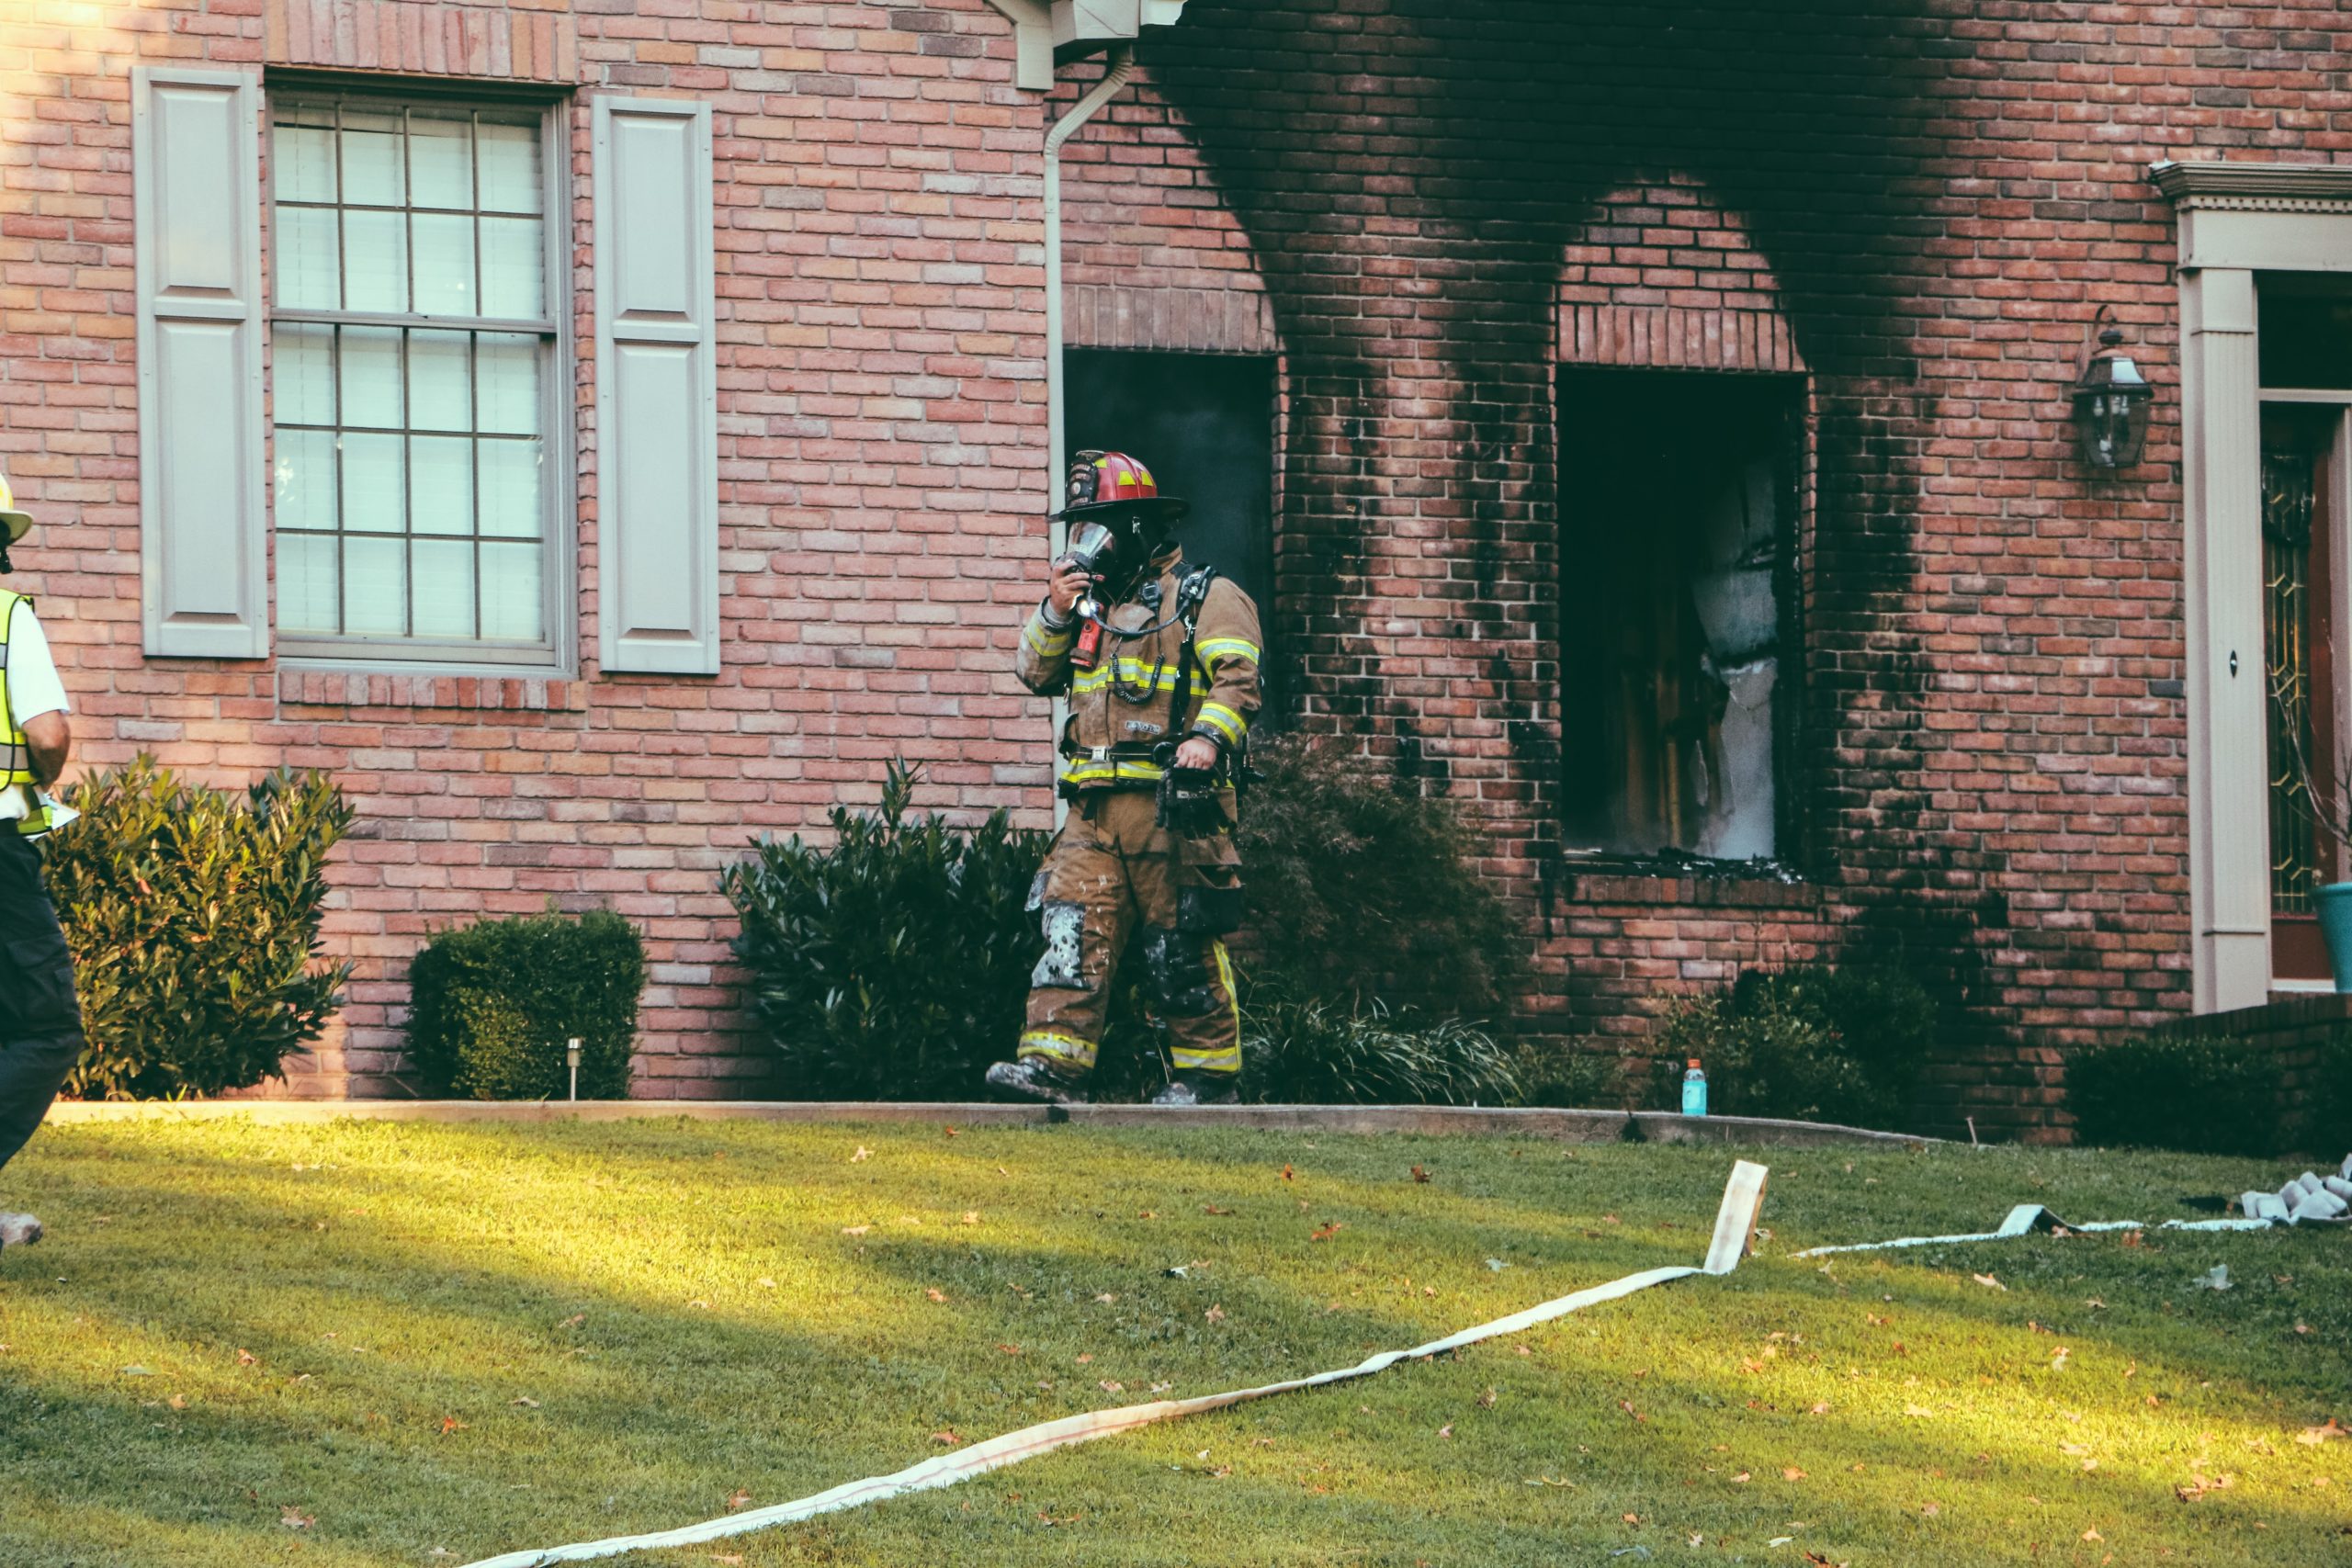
(2333, 903)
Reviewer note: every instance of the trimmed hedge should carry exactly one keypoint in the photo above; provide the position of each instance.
(193, 915)
(2202, 1094)
(491, 1006)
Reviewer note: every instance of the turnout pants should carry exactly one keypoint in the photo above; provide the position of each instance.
(1113, 879)
(41, 1025)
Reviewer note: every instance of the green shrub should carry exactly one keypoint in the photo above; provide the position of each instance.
(492, 1005)
(193, 915)
(1809, 1041)
(1362, 894)
(1314, 1053)
(893, 963)
(2196, 1093)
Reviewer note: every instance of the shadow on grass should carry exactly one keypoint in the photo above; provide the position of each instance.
(450, 1297)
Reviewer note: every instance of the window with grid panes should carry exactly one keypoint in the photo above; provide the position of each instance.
(414, 326)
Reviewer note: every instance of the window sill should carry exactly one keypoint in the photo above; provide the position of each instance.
(299, 687)
(1663, 889)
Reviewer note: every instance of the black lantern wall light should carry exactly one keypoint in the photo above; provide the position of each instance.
(2112, 401)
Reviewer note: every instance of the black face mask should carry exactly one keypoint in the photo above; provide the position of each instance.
(1116, 551)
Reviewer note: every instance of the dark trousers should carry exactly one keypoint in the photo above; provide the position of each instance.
(40, 1024)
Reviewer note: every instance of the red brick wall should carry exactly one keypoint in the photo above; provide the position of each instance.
(881, 397)
(1921, 205)
(1423, 206)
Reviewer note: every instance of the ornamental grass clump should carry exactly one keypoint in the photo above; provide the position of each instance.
(193, 915)
(1312, 1052)
(491, 1006)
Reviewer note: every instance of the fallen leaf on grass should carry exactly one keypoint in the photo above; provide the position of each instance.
(1742, 1478)
(764, 1283)
(971, 1216)
(951, 1132)
(1110, 1385)
(739, 1498)
(1326, 1232)
(574, 1320)
(1161, 1387)
(1916, 1410)
(1815, 1557)
(1010, 1350)
(933, 1292)
(1446, 1430)
(1486, 1400)
(863, 1153)
(1106, 1297)
(727, 1557)
(451, 1424)
(2199, 1486)
(947, 1440)
(525, 1401)
(1420, 1175)
(247, 1358)
(2311, 1437)
(1791, 1472)
(294, 1519)
(1988, 1281)
(1931, 1510)
(1287, 1176)
(1083, 1359)
(2093, 1535)
(1214, 1314)
(1213, 1209)
(856, 1230)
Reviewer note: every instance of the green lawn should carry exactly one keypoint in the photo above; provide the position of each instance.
(398, 1344)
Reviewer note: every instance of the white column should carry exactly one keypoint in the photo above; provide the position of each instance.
(2229, 805)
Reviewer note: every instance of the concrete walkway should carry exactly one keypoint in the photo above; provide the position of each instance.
(1563, 1126)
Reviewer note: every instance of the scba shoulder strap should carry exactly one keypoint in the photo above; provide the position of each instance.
(1192, 593)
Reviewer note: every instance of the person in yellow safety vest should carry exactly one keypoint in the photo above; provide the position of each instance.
(1159, 659)
(41, 1025)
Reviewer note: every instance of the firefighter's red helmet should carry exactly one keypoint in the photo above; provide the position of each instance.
(1100, 482)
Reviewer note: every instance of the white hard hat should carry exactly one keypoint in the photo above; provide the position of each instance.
(18, 521)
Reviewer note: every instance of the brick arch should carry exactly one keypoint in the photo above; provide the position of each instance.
(1665, 276)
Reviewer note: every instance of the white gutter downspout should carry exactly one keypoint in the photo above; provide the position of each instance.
(1122, 71)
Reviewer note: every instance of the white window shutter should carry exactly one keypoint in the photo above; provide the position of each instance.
(196, 184)
(657, 392)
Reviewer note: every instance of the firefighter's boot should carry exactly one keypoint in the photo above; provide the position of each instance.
(1031, 1079)
(1201, 1088)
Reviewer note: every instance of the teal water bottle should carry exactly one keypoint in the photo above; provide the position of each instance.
(1694, 1090)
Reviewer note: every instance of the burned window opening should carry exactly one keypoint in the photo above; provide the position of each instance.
(1677, 518)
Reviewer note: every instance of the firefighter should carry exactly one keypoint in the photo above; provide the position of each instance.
(41, 1025)
(1159, 657)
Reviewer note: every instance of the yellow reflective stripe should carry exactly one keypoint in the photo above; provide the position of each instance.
(1228, 647)
(1091, 771)
(1221, 1058)
(1131, 672)
(1046, 640)
(1060, 1047)
(1223, 719)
